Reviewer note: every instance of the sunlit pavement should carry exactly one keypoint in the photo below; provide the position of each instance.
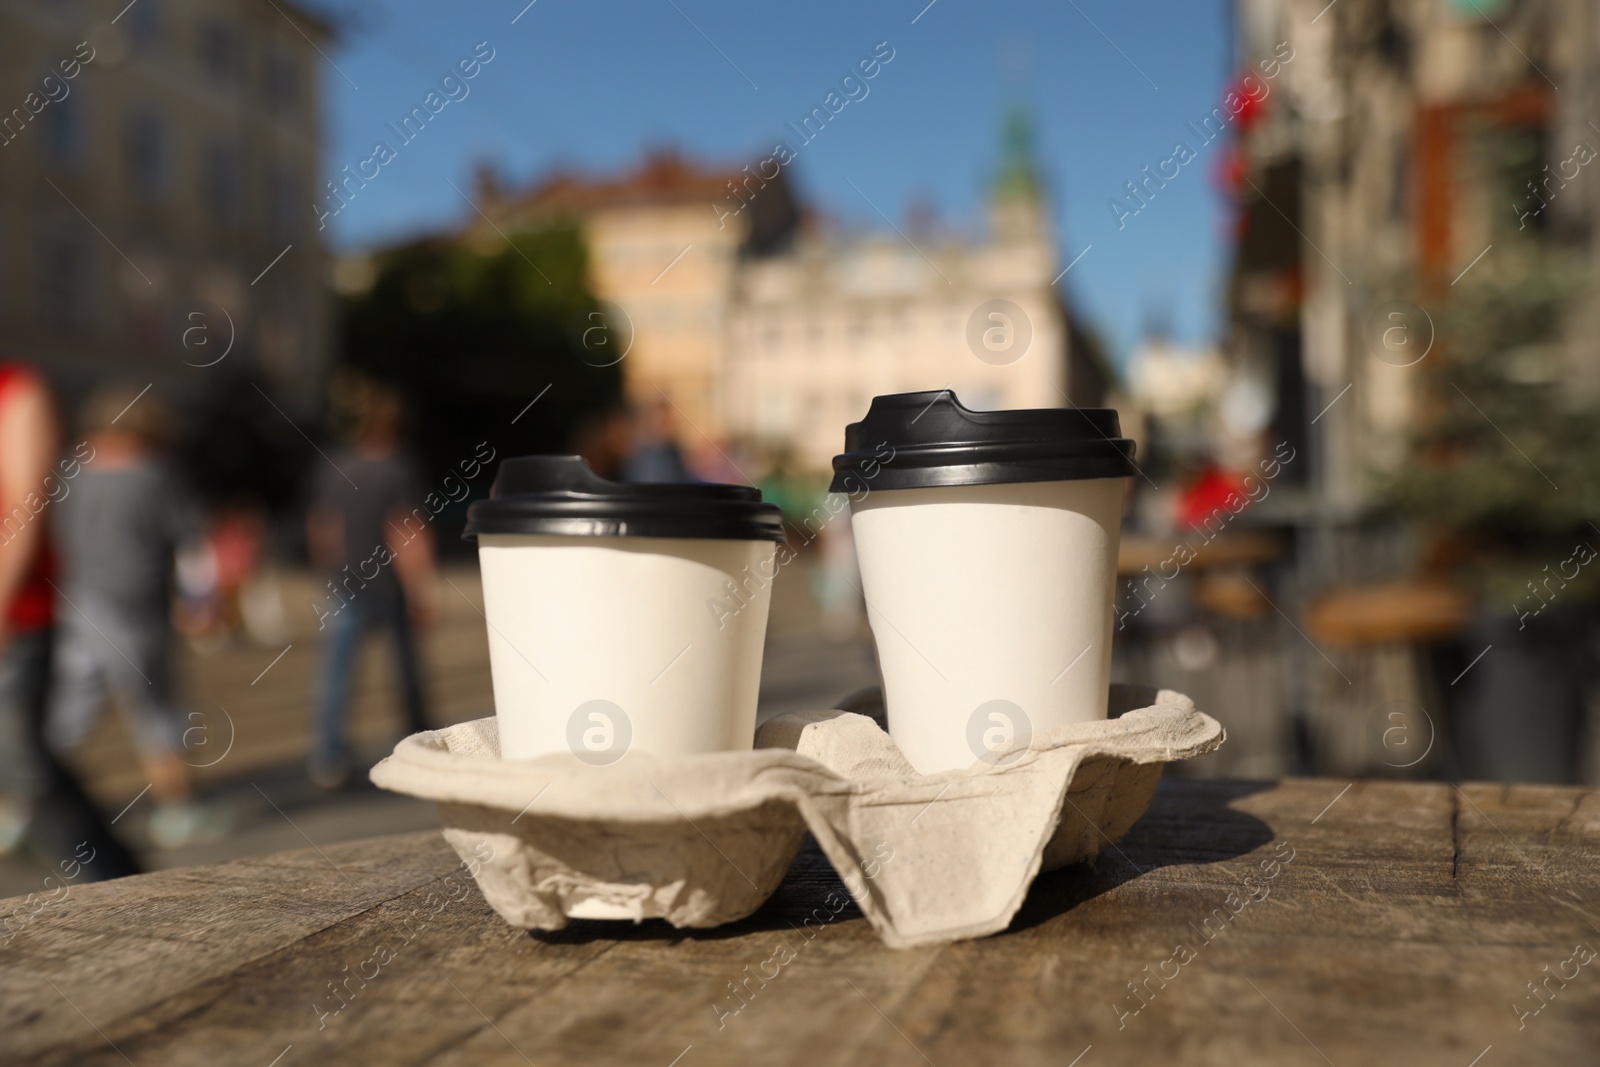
(250, 710)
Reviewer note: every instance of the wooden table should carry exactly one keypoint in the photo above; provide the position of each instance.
(1384, 923)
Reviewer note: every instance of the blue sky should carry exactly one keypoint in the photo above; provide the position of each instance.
(591, 85)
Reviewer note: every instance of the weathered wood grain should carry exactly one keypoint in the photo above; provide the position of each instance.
(1389, 923)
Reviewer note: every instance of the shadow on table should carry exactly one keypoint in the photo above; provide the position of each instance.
(1190, 821)
(810, 880)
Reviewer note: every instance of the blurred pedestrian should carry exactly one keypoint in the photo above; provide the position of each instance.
(40, 799)
(369, 531)
(235, 539)
(120, 530)
(655, 455)
(214, 573)
(604, 438)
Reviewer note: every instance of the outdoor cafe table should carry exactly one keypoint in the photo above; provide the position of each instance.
(1403, 923)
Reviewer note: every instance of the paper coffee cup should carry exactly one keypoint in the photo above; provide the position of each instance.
(622, 617)
(988, 551)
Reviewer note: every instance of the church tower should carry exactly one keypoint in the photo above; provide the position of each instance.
(1018, 213)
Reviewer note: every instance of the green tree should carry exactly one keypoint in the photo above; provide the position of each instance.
(1506, 458)
(475, 332)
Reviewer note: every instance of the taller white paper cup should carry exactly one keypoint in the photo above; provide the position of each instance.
(991, 605)
(988, 550)
(604, 645)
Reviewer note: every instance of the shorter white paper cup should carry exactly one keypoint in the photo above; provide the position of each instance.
(604, 645)
(991, 607)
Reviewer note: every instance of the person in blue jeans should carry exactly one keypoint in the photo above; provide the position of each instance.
(118, 531)
(369, 532)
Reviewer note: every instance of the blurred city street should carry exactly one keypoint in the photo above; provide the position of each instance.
(258, 773)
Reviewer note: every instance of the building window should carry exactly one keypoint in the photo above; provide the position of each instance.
(219, 51)
(812, 412)
(1400, 187)
(64, 128)
(772, 418)
(145, 22)
(147, 327)
(63, 285)
(145, 147)
(286, 203)
(220, 184)
(281, 83)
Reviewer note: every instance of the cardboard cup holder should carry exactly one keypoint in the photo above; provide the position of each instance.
(704, 840)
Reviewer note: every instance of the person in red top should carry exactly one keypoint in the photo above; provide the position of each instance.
(1205, 499)
(40, 798)
(27, 444)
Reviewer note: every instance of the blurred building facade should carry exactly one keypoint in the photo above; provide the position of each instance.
(664, 258)
(842, 317)
(153, 164)
(1420, 169)
(1365, 193)
(762, 324)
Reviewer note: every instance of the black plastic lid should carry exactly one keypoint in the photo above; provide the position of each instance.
(560, 495)
(923, 440)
